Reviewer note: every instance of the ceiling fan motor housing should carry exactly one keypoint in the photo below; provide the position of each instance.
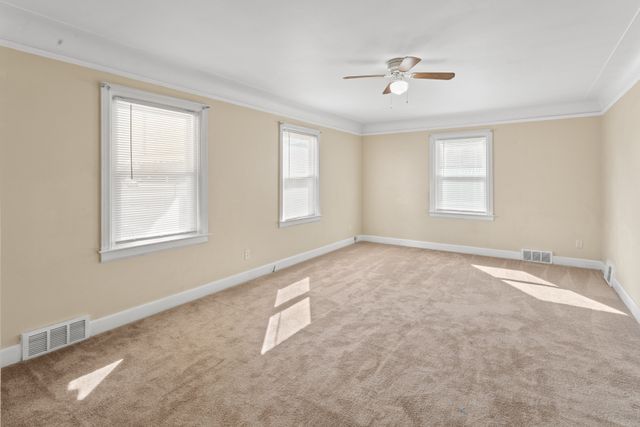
(394, 64)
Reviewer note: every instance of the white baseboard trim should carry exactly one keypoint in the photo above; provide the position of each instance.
(473, 250)
(10, 355)
(498, 253)
(626, 298)
(591, 264)
(13, 354)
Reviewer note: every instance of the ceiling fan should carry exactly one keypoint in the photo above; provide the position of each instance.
(398, 73)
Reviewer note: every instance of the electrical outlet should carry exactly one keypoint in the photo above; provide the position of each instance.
(579, 244)
(246, 254)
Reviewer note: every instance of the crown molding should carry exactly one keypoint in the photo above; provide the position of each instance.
(621, 69)
(36, 34)
(489, 118)
(32, 33)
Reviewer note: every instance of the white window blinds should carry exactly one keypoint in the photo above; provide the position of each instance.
(299, 171)
(461, 175)
(154, 172)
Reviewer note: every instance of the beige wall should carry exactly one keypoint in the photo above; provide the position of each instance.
(546, 192)
(51, 200)
(621, 189)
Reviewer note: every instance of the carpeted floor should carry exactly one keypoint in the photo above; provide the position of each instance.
(369, 334)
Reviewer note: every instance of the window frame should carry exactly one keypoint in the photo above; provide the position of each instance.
(433, 138)
(284, 127)
(109, 250)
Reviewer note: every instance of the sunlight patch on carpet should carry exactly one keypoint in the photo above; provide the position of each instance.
(561, 296)
(510, 274)
(544, 290)
(87, 383)
(292, 291)
(286, 323)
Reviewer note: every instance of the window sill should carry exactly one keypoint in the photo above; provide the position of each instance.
(297, 221)
(462, 215)
(151, 245)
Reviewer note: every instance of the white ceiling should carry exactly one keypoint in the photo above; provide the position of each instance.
(513, 59)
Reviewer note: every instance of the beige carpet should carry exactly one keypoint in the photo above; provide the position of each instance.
(370, 334)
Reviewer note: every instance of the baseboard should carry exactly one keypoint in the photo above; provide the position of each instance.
(626, 298)
(10, 355)
(473, 250)
(13, 354)
(591, 264)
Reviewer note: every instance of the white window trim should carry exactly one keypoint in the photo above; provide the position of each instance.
(305, 219)
(489, 215)
(109, 251)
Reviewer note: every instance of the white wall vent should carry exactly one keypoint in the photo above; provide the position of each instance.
(533, 255)
(45, 340)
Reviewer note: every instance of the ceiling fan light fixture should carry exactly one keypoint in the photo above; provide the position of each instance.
(398, 87)
(398, 75)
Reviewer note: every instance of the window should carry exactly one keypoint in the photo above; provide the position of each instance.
(154, 172)
(461, 181)
(299, 175)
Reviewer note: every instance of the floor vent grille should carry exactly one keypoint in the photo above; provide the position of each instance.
(533, 255)
(78, 330)
(45, 340)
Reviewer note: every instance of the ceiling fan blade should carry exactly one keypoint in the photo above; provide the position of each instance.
(363, 77)
(408, 63)
(433, 76)
(387, 89)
